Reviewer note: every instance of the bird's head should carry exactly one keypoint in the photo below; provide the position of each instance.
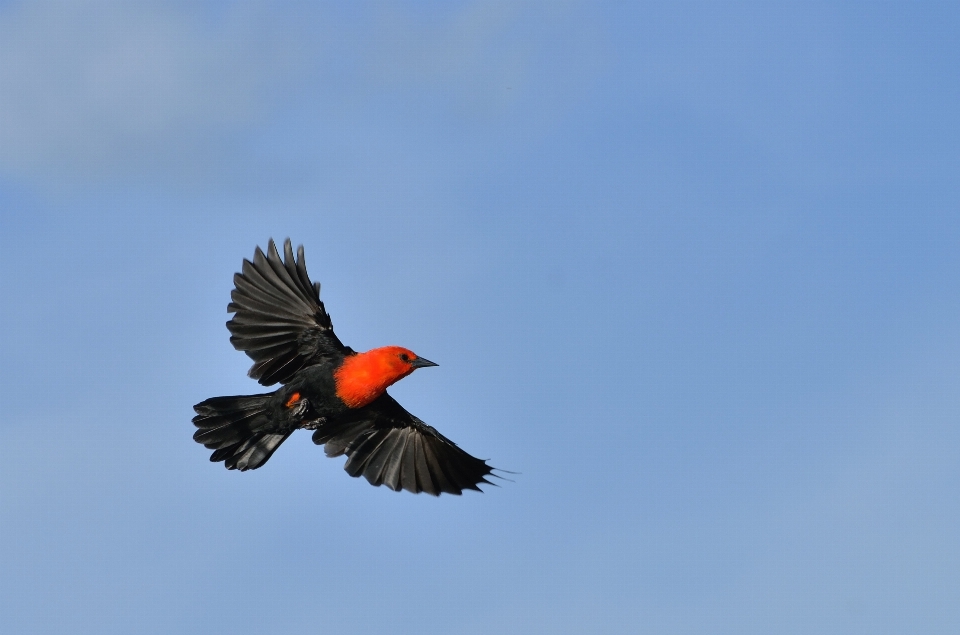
(365, 376)
(393, 363)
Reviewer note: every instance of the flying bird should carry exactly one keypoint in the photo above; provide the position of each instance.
(280, 322)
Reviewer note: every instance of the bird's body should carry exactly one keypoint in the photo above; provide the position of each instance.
(327, 387)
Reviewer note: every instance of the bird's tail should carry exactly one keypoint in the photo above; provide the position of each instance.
(236, 429)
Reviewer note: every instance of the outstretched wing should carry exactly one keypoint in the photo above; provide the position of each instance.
(280, 321)
(389, 446)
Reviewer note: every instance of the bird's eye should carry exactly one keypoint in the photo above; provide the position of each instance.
(404, 357)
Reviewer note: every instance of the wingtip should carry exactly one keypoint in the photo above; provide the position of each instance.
(502, 478)
(288, 260)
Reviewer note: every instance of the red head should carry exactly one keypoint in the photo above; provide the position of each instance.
(363, 377)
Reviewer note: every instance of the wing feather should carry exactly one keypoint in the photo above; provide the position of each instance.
(389, 446)
(424, 480)
(279, 320)
(443, 480)
(408, 465)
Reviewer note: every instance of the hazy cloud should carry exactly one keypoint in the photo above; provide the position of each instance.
(92, 88)
(92, 91)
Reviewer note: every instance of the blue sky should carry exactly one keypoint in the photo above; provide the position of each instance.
(690, 269)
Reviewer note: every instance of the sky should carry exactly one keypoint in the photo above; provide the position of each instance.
(690, 269)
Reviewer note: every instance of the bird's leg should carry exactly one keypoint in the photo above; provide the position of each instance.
(299, 411)
(313, 424)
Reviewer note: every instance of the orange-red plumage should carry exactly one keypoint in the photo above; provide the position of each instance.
(365, 376)
(292, 401)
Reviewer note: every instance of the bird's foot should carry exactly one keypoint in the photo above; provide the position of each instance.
(312, 425)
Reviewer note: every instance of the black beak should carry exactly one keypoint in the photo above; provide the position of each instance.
(420, 362)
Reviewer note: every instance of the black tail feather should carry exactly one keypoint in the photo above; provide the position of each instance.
(238, 430)
(253, 452)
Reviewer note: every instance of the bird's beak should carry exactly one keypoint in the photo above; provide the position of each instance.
(420, 362)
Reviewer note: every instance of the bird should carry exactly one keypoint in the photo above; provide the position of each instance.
(341, 395)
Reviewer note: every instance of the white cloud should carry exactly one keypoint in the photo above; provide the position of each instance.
(92, 91)
(88, 89)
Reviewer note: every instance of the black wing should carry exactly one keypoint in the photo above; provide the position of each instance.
(389, 446)
(280, 321)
